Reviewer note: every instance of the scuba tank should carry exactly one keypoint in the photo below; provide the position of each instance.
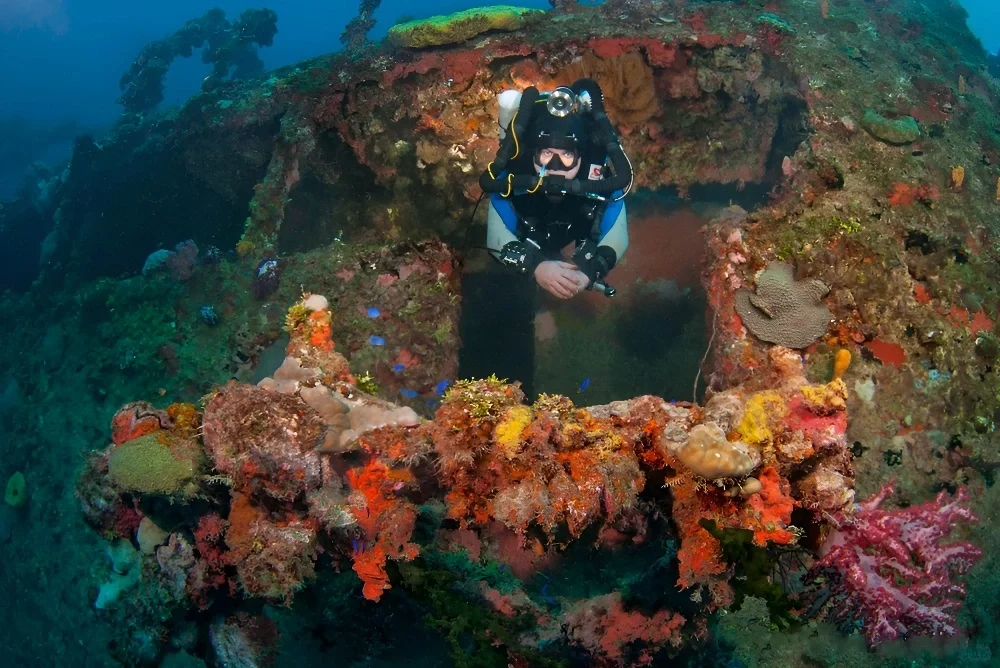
(509, 101)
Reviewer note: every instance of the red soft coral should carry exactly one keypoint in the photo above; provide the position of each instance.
(386, 520)
(895, 571)
(615, 636)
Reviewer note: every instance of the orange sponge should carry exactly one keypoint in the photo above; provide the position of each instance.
(841, 361)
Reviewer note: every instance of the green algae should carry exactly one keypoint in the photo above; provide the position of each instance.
(755, 567)
(465, 623)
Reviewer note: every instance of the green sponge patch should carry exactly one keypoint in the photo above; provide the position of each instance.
(899, 131)
(776, 22)
(156, 464)
(460, 26)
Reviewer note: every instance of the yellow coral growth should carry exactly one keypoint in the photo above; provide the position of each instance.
(825, 399)
(606, 442)
(957, 177)
(508, 431)
(762, 410)
(245, 247)
(297, 315)
(186, 418)
(486, 398)
(460, 26)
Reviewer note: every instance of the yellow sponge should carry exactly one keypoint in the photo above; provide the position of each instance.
(460, 26)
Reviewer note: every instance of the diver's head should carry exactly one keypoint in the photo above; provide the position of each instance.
(557, 144)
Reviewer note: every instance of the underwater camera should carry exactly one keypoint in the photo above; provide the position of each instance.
(563, 101)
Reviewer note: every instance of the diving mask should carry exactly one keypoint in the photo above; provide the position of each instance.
(558, 162)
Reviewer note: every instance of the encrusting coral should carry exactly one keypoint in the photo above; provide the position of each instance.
(320, 467)
(782, 310)
(710, 98)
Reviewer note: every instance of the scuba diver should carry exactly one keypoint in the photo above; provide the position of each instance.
(558, 179)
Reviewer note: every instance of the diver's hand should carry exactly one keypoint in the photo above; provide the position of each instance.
(560, 278)
(582, 280)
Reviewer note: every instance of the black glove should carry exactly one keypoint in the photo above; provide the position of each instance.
(595, 261)
(521, 256)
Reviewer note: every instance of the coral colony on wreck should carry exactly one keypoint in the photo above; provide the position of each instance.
(320, 435)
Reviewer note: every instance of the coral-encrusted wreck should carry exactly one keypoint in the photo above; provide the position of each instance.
(851, 318)
(314, 466)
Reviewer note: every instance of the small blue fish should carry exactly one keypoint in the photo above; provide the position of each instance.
(409, 394)
(585, 384)
(399, 368)
(376, 340)
(441, 387)
(209, 316)
(374, 312)
(432, 403)
(545, 595)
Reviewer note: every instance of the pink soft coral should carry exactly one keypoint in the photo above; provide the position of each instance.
(895, 572)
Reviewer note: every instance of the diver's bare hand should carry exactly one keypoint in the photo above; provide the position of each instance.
(582, 280)
(558, 278)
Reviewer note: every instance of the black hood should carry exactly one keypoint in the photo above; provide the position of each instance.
(548, 131)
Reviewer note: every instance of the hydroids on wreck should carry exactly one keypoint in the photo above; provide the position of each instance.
(235, 417)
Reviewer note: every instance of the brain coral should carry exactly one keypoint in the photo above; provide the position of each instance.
(708, 454)
(156, 464)
(458, 27)
(784, 311)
